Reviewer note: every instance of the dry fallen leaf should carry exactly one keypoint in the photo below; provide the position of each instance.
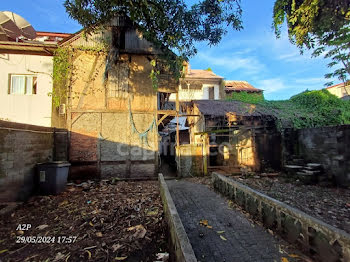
(89, 253)
(116, 247)
(59, 256)
(223, 238)
(203, 222)
(163, 257)
(65, 202)
(152, 212)
(284, 259)
(220, 232)
(41, 227)
(98, 234)
(293, 255)
(120, 258)
(140, 231)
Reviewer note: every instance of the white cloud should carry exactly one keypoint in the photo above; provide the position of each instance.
(311, 81)
(271, 85)
(233, 62)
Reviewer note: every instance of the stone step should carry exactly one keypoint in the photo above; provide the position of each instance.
(302, 173)
(313, 168)
(293, 167)
(311, 172)
(314, 165)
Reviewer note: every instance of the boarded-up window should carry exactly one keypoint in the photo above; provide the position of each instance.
(118, 80)
(211, 92)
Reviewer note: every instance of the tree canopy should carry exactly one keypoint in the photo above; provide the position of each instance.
(320, 24)
(169, 24)
(310, 19)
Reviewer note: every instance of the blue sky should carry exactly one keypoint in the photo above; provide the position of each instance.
(253, 54)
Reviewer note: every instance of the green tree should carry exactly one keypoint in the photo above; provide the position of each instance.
(171, 25)
(320, 24)
(336, 46)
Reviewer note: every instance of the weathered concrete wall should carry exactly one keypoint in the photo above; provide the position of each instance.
(328, 146)
(21, 148)
(327, 242)
(190, 160)
(107, 118)
(179, 243)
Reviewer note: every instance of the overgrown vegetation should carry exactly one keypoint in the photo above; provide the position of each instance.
(61, 70)
(250, 98)
(173, 26)
(323, 25)
(307, 109)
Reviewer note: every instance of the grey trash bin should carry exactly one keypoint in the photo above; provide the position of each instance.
(52, 177)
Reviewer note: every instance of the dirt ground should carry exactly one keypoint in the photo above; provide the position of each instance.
(329, 204)
(96, 221)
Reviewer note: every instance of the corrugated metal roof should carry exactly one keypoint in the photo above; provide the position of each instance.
(222, 107)
(231, 85)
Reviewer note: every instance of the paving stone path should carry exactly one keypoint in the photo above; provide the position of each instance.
(244, 241)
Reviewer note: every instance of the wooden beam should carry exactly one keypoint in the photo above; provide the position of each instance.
(168, 112)
(177, 120)
(162, 118)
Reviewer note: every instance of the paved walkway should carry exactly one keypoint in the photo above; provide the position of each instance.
(244, 241)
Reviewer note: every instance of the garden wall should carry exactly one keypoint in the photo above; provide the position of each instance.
(21, 147)
(180, 246)
(329, 146)
(328, 243)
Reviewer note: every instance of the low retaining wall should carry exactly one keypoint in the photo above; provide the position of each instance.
(325, 241)
(180, 244)
(22, 146)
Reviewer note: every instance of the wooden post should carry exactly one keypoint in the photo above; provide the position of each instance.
(206, 159)
(177, 149)
(177, 120)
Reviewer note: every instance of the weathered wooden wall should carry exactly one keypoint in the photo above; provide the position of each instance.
(255, 143)
(100, 117)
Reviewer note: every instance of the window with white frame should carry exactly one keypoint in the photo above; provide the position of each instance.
(23, 84)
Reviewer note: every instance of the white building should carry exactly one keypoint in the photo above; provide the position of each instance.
(341, 90)
(199, 85)
(25, 82)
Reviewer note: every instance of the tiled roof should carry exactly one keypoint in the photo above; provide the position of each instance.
(240, 86)
(335, 86)
(202, 74)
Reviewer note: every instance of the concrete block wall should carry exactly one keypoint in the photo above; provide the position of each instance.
(326, 242)
(21, 148)
(328, 146)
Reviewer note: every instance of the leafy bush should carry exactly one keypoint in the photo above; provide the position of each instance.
(310, 109)
(307, 109)
(250, 98)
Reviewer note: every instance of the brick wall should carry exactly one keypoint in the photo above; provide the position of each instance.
(329, 146)
(21, 147)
